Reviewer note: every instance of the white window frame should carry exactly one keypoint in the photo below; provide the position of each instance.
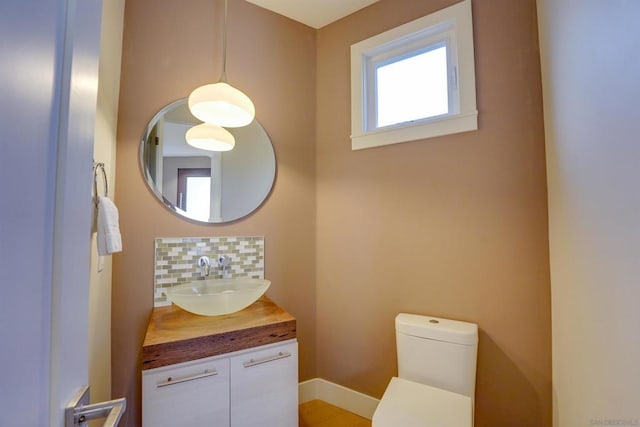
(451, 26)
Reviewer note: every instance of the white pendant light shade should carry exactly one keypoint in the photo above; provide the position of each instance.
(210, 137)
(222, 105)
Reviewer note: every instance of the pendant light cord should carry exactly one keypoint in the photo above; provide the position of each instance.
(223, 77)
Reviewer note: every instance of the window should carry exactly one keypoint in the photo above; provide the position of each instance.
(415, 81)
(194, 192)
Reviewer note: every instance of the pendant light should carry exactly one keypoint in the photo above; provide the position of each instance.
(210, 137)
(220, 103)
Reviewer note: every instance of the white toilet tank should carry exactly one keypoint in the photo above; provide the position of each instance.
(437, 352)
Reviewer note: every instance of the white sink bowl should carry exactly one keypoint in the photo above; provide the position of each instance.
(215, 297)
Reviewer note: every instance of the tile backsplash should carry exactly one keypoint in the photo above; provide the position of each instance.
(176, 260)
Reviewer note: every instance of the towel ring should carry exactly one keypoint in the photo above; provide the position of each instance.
(100, 166)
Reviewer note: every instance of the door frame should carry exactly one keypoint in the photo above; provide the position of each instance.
(76, 89)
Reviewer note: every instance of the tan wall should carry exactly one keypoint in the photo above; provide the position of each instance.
(453, 226)
(168, 51)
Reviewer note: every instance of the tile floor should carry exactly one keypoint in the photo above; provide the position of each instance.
(317, 413)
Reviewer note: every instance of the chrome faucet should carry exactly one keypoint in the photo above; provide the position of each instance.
(204, 263)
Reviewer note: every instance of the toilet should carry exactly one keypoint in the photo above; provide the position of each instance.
(436, 379)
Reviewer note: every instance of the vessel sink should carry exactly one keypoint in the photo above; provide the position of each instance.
(215, 297)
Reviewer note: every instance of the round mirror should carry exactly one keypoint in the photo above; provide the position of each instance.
(206, 186)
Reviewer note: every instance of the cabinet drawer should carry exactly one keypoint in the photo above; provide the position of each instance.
(194, 393)
(264, 390)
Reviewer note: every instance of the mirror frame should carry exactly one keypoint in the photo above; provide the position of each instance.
(150, 183)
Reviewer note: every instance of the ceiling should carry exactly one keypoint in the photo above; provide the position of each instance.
(314, 13)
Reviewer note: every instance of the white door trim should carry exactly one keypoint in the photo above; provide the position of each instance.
(77, 91)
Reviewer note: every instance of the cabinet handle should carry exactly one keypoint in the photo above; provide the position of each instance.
(171, 381)
(254, 362)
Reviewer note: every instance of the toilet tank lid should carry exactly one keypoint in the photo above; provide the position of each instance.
(453, 331)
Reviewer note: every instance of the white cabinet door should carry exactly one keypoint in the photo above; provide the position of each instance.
(264, 387)
(188, 394)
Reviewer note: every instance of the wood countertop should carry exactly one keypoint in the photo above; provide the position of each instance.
(175, 335)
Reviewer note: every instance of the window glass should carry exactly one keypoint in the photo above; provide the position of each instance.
(198, 197)
(412, 88)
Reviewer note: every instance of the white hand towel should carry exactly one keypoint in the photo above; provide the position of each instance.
(109, 239)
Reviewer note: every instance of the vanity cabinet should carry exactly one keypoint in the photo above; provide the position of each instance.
(193, 393)
(264, 387)
(253, 387)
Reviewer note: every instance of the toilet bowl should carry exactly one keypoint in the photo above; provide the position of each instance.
(437, 369)
(410, 404)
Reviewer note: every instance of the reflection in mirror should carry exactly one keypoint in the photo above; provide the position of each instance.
(206, 186)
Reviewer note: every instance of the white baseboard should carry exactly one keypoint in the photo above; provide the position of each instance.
(339, 396)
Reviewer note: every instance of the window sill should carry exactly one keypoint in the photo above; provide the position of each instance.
(411, 132)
